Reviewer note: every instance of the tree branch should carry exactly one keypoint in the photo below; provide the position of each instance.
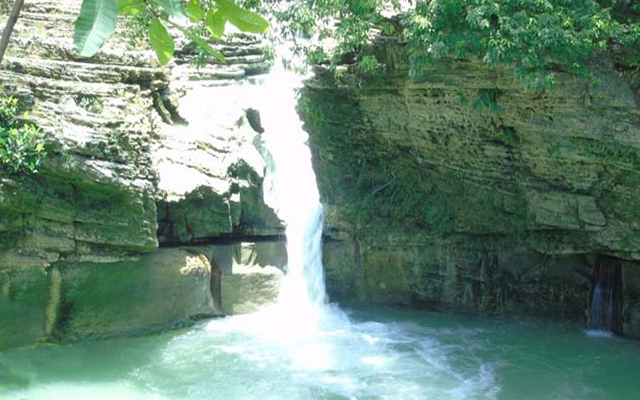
(386, 184)
(8, 29)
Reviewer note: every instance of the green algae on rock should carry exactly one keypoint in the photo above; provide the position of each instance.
(461, 190)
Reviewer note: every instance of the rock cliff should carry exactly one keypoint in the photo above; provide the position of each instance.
(462, 190)
(138, 157)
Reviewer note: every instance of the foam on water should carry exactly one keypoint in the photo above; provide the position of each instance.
(77, 391)
(348, 359)
(599, 334)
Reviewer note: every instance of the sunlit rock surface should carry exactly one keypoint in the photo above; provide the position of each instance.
(138, 157)
(461, 190)
(210, 173)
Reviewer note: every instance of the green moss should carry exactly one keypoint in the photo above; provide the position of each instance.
(24, 297)
(380, 185)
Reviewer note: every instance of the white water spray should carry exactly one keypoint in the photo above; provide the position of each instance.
(290, 189)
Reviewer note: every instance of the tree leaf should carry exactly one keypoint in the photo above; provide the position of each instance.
(245, 20)
(131, 7)
(161, 42)
(215, 23)
(195, 11)
(95, 23)
(174, 8)
(200, 42)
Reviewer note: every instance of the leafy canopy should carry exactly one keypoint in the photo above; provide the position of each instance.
(97, 21)
(537, 36)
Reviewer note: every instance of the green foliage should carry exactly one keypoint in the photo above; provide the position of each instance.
(161, 42)
(368, 63)
(538, 37)
(244, 20)
(203, 44)
(194, 11)
(488, 99)
(8, 110)
(136, 29)
(131, 7)
(21, 144)
(173, 8)
(215, 23)
(97, 21)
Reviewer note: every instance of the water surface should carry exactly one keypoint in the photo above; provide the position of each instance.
(371, 354)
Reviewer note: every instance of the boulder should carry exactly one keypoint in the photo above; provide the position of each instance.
(169, 287)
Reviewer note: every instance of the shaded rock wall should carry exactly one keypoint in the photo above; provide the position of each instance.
(464, 191)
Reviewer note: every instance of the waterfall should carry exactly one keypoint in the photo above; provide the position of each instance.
(605, 298)
(291, 190)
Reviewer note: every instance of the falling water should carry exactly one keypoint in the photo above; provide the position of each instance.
(291, 190)
(603, 314)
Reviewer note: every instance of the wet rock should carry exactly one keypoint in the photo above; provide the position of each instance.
(461, 190)
(163, 289)
(250, 288)
(631, 299)
(24, 298)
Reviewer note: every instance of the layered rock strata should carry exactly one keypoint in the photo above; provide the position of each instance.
(462, 190)
(139, 157)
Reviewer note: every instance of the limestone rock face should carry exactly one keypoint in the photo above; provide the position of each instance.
(139, 156)
(429, 183)
(164, 288)
(24, 299)
(210, 173)
(120, 146)
(141, 295)
(247, 288)
(95, 197)
(252, 274)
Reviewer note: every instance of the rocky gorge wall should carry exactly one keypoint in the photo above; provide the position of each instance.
(130, 168)
(460, 190)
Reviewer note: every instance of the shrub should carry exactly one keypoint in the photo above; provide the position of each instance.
(21, 144)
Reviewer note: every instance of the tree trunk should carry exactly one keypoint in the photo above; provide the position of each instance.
(11, 22)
